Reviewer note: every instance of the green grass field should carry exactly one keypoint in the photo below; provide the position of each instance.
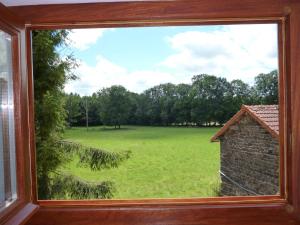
(166, 162)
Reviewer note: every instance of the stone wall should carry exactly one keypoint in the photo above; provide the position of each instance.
(249, 160)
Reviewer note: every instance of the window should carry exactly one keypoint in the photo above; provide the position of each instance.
(8, 187)
(144, 105)
(258, 210)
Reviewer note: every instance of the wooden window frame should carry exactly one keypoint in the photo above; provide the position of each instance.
(22, 207)
(279, 21)
(282, 209)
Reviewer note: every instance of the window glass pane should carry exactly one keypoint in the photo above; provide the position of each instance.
(157, 112)
(8, 191)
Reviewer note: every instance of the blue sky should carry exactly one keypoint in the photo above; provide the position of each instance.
(139, 58)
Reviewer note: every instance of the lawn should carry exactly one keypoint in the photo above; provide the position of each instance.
(166, 162)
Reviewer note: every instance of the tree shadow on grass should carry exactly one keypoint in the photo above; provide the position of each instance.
(107, 129)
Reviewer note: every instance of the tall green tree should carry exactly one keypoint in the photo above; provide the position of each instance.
(241, 94)
(182, 106)
(141, 114)
(72, 106)
(167, 98)
(209, 100)
(209, 97)
(115, 105)
(266, 87)
(94, 110)
(51, 72)
(152, 108)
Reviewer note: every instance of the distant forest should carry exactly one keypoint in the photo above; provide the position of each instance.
(208, 101)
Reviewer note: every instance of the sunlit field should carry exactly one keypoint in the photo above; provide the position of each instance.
(165, 162)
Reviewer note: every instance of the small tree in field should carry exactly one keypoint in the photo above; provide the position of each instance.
(115, 105)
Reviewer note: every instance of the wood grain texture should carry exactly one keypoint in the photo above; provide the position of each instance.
(294, 52)
(205, 215)
(30, 108)
(159, 11)
(19, 210)
(228, 200)
(23, 215)
(283, 107)
(182, 12)
(10, 18)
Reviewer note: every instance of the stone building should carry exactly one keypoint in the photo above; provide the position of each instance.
(249, 144)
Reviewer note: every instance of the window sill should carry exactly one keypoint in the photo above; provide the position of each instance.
(22, 215)
(234, 200)
(221, 214)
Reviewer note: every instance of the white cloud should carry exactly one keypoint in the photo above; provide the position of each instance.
(234, 52)
(105, 73)
(82, 39)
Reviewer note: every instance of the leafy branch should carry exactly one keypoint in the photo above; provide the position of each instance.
(75, 188)
(94, 158)
(71, 187)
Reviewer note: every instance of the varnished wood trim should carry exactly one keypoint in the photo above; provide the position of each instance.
(23, 215)
(265, 214)
(293, 68)
(10, 18)
(19, 209)
(31, 122)
(151, 10)
(164, 13)
(163, 202)
(157, 23)
(282, 86)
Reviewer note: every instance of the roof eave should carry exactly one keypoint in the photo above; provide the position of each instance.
(230, 122)
(236, 117)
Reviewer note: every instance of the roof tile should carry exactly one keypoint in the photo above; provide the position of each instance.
(269, 114)
(266, 115)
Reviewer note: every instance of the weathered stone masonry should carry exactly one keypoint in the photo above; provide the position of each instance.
(249, 159)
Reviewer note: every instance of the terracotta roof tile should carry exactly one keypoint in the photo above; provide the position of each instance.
(266, 115)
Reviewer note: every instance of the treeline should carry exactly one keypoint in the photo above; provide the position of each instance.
(209, 100)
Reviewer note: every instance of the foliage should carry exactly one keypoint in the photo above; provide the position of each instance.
(94, 158)
(94, 110)
(72, 105)
(241, 94)
(114, 105)
(182, 106)
(209, 100)
(51, 72)
(68, 186)
(266, 86)
(210, 94)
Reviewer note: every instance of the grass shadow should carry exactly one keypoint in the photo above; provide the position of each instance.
(109, 129)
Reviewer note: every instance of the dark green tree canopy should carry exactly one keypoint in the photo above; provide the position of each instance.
(73, 110)
(50, 73)
(209, 100)
(114, 105)
(266, 86)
